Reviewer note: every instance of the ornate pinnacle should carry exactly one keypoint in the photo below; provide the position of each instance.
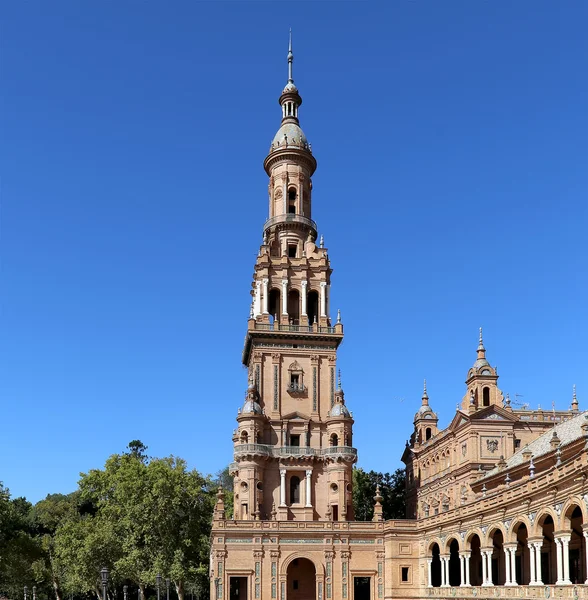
(481, 343)
(290, 59)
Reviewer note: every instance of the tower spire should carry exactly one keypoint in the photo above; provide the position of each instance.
(574, 399)
(290, 58)
(425, 397)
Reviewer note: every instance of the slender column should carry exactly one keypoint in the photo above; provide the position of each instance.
(489, 567)
(558, 549)
(531, 547)
(513, 566)
(484, 568)
(565, 540)
(538, 576)
(430, 572)
(304, 297)
(447, 571)
(507, 580)
(308, 488)
(586, 553)
(467, 556)
(284, 296)
(323, 285)
(257, 299)
(265, 295)
(282, 487)
(461, 570)
(328, 301)
(443, 572)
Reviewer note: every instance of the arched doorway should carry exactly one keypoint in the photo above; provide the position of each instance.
(435, 566)
(454, 566)
(301, 580)
(475, 561)
(573, 522)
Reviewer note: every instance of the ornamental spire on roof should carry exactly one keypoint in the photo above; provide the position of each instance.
(290, 59)
(425, 396)
(574, 399)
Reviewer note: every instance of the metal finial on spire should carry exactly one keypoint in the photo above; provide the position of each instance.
(339, 380)
(481, 344)
(290, 59)
(574, 399)
(338, 315)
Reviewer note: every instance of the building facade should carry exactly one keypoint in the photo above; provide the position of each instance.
(496, 502)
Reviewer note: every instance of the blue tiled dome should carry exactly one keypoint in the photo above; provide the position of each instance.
(293, 132)
(340, 410)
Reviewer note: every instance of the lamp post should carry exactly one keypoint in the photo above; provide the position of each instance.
(104, 577)
(34, 592)
(158, 581)
(167, 587)
(26, 591)
(125, 591)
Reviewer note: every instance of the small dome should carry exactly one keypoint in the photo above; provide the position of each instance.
(340, 410)
(294, 134)
(481, 362)
(423, 411)
(290, 87)
(252, 407)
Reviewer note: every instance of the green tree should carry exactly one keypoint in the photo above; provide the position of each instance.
(392, 489)
(225, 480)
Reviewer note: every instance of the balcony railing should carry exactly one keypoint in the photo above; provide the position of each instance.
(284, 451)
(296, 388)
(293, 328)
(290, 218)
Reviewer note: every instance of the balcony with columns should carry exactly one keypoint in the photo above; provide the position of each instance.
(244, 451)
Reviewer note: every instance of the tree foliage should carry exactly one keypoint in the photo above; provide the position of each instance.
(392, 489)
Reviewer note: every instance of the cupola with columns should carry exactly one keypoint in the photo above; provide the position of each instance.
(425, 420)
(293, 452)
(482, 389)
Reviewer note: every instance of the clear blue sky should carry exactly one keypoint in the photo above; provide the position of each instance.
(452, 191)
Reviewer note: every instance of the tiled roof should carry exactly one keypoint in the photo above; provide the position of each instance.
(567, 432)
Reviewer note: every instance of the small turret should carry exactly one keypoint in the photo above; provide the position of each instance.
(378, 509)
(425, 420)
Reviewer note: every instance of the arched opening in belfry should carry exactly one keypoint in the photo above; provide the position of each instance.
(548, 551)
(292, 201)
(486, 396)
(454, 564)
(498, 558)
(435, 566)
(522, 556)
(244, 437)
(573, 524)
(312, 307)
(475, 561)
(334, 440)
(301, 580)
(428, 433)
(274, 304)
(294, 307)
(294, 489)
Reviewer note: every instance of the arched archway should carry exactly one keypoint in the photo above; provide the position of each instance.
(274, 304)
(435, 566)
(522, 555)
(301, 580)
(545, 528)
(312, 307)
(454, 566)
(498, 557)
(294, 307)
(475, 560)
(572, 522)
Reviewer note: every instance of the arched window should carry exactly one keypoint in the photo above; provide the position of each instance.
(334, 440)
(486, 396)
(295, 490)
(292, 201)
(274, 305)
(312, 307)
(244, 437)
(294, 307)
(428, 433)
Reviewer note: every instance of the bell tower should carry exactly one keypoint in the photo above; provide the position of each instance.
(293, 450)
